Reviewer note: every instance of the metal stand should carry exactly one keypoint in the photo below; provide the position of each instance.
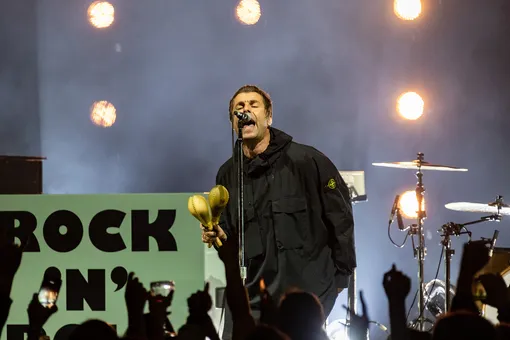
(420, 252)
(449, 252)
(450, 229)
(240, 201)
(351, 302)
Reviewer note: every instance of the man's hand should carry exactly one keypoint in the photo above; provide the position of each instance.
(210, 236)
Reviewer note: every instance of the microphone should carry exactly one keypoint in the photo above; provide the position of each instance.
(493, 242)
(243, 116)
(400, 221)
(394, 209)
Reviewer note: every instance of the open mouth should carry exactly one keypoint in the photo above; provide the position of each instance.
(249, 123)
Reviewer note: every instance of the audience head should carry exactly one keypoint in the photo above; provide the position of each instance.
(268, 333)
(300, 313)
(463, 326)
(94, 329)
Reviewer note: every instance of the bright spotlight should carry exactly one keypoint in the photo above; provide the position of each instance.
(101, 14)
(407, 9)
(408, 204)
(248, 12)
(103, 114)
(410, 105)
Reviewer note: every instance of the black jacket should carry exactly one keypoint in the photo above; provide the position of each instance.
(298, 220)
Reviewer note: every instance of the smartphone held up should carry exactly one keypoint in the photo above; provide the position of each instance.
(162, 288)
(48, 293)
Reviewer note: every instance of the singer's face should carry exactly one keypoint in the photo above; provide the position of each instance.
(254, 103)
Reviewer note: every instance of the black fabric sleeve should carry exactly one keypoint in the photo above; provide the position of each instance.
(225, 218)
(337, 215)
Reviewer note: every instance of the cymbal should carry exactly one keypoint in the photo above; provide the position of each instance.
(490, 208)
(416, 164)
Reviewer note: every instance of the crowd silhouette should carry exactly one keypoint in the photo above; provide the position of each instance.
(297, 316)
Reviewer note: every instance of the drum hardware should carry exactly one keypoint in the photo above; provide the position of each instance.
(419, 164)
(448, 230)
(496, 208)
(435, 291)
(456, 229)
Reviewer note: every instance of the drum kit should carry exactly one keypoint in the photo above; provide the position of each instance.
(493, 210)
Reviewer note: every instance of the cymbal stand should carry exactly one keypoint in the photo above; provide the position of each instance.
(420, 251)
(498, 203)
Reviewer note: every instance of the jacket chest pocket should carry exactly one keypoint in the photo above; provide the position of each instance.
(290, 222)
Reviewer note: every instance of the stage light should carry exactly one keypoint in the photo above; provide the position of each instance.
(248, 12)
(410, 105)
(103, 114)
(101, 14)
(408, 204)
(407, 9)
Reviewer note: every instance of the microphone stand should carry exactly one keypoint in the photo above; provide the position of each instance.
(240, 201)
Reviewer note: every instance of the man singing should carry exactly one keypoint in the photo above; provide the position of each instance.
(299, 227)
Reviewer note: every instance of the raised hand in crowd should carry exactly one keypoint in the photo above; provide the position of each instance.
(358, 329)
(199, 323)
(10, 255)
(268, 307)
(397, 286)
(497, 294)
(37, 317)
(200, 302)
(237, 296)
(475, 256)
(136, 297)
(156, 321)
(229, 253)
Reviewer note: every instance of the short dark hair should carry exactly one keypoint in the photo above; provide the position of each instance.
(268, 104)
